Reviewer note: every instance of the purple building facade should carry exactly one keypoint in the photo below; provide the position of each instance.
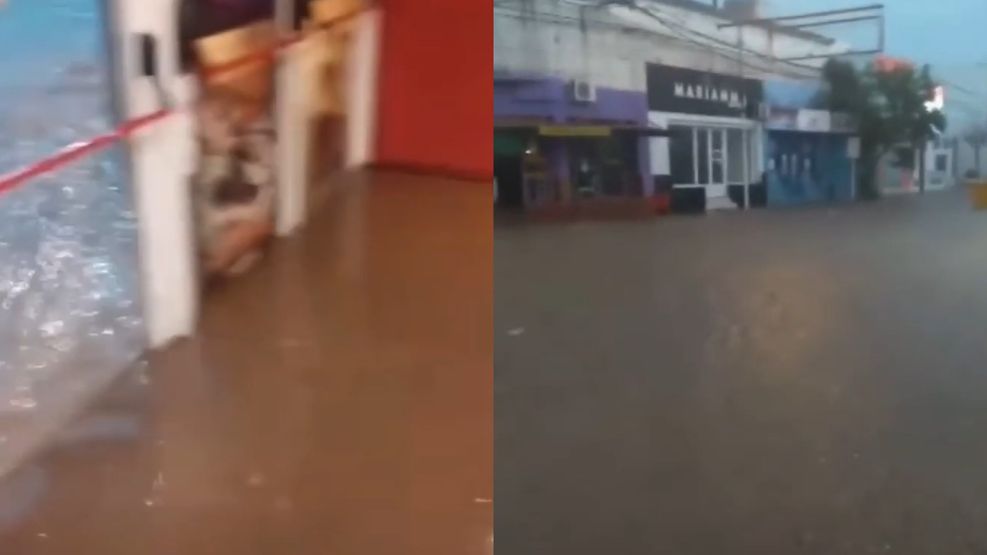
(593, 143)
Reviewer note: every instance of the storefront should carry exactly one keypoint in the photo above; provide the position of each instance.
(710, 158)
(807, 154)
(555, 145)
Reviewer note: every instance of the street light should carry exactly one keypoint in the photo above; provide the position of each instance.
(938, 100)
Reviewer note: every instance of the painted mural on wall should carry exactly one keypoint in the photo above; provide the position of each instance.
(234, 187)
(234, 184)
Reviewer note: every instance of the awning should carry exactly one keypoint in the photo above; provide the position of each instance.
(643, 131)
(574, 130)
(508, 143)
(598, 130)
(579, 130)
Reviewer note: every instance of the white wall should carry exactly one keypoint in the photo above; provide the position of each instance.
(757, 41)
(361, 81)
(546, 40)
(610, 47)
(163, 158)
(892, 179)
(935, 179)
(966, 159)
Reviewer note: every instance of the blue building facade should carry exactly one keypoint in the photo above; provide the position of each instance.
(806, 151)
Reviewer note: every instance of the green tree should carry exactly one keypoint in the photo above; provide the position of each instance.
(890, 110)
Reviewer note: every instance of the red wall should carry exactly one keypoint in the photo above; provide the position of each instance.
(436, 87)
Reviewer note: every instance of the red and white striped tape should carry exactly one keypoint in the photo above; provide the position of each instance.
(70, 153)
(74, 151)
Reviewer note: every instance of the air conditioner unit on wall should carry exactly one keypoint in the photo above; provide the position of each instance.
(583, 91)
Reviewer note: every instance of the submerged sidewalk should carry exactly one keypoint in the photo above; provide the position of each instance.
(336, 400)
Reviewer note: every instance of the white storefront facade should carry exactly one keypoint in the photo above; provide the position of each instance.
(711, 158)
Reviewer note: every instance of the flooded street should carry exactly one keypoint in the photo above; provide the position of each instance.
(70, 315)
(781, 381)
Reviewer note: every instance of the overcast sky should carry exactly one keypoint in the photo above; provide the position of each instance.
(951, 35)
(927, 31)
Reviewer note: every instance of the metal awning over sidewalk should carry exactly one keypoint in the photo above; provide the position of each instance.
(578, 130)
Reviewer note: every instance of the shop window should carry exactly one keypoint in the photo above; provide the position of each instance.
(735, 156)
(716, 155)
(941, 162)
(681, 158)
(702, 156)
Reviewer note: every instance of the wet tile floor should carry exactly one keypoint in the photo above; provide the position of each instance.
(336, 400)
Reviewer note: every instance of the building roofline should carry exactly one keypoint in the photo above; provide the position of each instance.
(697, 6)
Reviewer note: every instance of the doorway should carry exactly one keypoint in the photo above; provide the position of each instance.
(713, 159)
(508, 174)
(712, 154)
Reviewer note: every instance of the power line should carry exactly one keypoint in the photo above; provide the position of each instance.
(958, 87)
(726, 53)
(683, 26)
(969, 108)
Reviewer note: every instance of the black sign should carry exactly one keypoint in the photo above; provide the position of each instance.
(676, 89)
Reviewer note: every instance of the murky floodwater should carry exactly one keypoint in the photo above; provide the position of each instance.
(778, 381)
(69, 308)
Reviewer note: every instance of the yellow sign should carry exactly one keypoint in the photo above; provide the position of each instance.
(574, 131)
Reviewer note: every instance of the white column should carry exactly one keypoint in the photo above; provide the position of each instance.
(162, 160)
(745, 149)
(853, 179)
(361, 89)
(758, 165)
(695, 155)
(291, 113)
(658, 155)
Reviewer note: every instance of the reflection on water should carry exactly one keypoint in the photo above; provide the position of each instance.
(69, 304)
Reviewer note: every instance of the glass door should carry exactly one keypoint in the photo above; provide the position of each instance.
(711, 157)
(717, 186)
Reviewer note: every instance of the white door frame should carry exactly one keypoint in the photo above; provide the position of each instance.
(716, 188)
(751, 141)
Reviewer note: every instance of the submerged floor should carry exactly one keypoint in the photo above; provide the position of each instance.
(336, 400)
(798, 381)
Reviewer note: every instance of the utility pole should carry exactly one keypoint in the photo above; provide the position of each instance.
(921, 166)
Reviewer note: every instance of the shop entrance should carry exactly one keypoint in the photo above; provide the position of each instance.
(510, 181)
(710, 157)
(509, 152)
(715, 159)
(604, 167)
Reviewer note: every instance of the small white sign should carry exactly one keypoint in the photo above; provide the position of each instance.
(853, 148)
(813, 120)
